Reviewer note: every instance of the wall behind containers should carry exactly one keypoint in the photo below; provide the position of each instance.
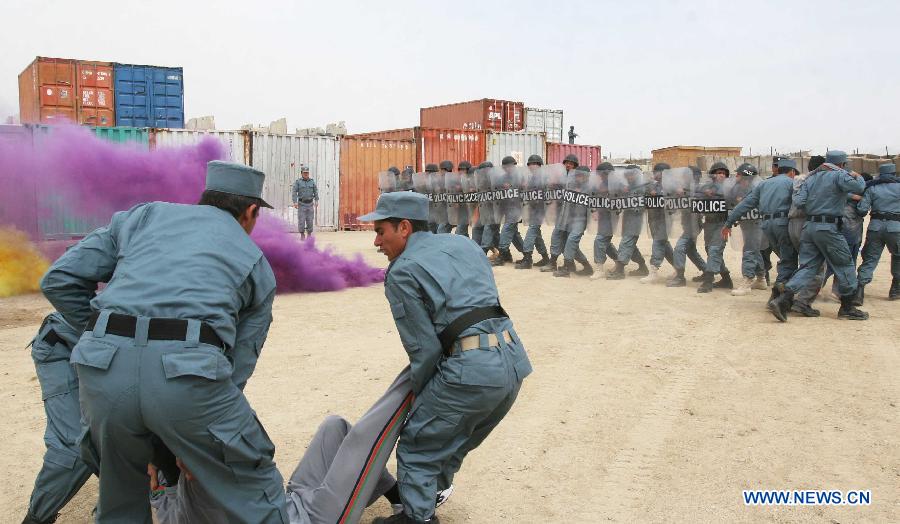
(549, 121)
(486, 114)
(587, 155)
(280, 158)
(149, 96)
(684, 156)
(236, 144)
(517, 145)
(361, 161)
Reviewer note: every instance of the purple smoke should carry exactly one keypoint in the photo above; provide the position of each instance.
(96, 178)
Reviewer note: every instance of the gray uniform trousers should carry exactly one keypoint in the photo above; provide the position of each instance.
(822, 243)
(780, 240)
(63, 471)
(534, 239)
(715, 245)
(182, 392)
(341, 473)
(456, 410)
(477, 234)
(507, 233)
(686, 246)
(808, 294)
(573, 241)
(752, 264)
(558, 241)
(661, 249)
(306, 216)
(875, 244)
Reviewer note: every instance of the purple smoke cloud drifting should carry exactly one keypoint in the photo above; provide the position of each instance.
(98, 178)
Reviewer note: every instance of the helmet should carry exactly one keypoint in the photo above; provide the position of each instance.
(535, 159)
(431, 168)
(605, 166)
(747, 169)
(582, 170)
(662, 166)
(465, 165)
(394, 170)
(447, 165)
(720, 165)
(571, 158)
(486, 164)
(407, 173)
(508, 161)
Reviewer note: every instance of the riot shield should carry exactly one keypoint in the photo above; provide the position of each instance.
(604, 219)
(556, 178)
(438, 207)
(751, 237)
(576, 203)
(405, 180)
(387, 182)
(457, 211)
(485, 207)
(421, 184)
(506, 183)
(662, 205)
(627, 187)
(534, 182)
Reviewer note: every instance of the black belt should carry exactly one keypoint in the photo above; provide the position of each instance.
(450, 333)
(306, 201)
(159, 329)
(886, 216)
(824, 219)
(52, 338)
(780, 214)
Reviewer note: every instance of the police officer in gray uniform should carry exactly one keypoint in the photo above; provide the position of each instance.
(632, 223)
(691, 225)
(661, 248)
(508, 211)
(305, 196)
(169, 344)
(560, 233)
(536, 213)
(444, 226)
(712, 233)
(467, 362)
(753, 269)
(63, 472)
(606, 220)
(882, 200)
(822, 196)
(467, 185)
(577, 217)
(804, 298)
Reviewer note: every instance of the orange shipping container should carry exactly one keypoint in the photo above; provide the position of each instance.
(408, 133)
(486, 114)
(455, 145)
(55, 89)
(587, 155)
(361, 161)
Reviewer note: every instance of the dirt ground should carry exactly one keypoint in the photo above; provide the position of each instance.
(647, 404)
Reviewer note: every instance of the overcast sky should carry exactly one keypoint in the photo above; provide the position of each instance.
(630, 76)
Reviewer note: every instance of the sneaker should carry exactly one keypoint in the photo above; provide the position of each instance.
(744, 288)
(599, 272)
(442, 496)
(760, 283)
(651, 277)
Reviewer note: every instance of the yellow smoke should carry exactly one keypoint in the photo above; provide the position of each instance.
(21, 265)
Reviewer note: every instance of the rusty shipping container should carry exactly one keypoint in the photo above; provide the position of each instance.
(455, 145)
(408, 133)
(52, 90)
(361, 161)
(587, 155)
(486, 114)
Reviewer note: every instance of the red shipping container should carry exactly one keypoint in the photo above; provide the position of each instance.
(361, 161)
(587, 155)
(55, 89)
(486, 114)
(455, 145)
(96, 106)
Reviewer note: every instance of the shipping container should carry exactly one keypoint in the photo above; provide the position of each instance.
(95, 93)
(684, 156)
(455, 145)
(408, 133)
(517, 145)
(134, 136)
(235, 144)
(149, 96)
(486, 114)
(47, 91)
(548, 121)
(361, 161)
(587, 155)
(280, 158)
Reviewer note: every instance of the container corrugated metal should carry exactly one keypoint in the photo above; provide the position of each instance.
(587, 155)
(236, 144)
(135, 136)
(408, 133)
(548, 121)
(280, 158)
(517, 145)
(684, 156)
(487, 114)
(149, 96)
(455, 145)
(95, 93)
(361, 161)
(47, 91)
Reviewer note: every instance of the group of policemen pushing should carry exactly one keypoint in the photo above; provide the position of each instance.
(812, 222)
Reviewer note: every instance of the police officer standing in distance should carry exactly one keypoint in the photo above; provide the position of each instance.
(169, 344)
(467, 362)
(882, 200)
(305, 196)
(822, 196)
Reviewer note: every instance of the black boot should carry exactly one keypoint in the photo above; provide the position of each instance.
(860, 296)
(805, 310)
(401, 518)
(725, 282)
(677, 279)
(768, 282)
(894, 293)
(587, 270)
(707, 285)
(849, 311)
(698, 278)
(504, 257)
(781, 305)
(550, 265)
(525, 263)
(641, 271)
(567, 268)
(543, 261)
(618, 272)
(777, 290)
(31, 520)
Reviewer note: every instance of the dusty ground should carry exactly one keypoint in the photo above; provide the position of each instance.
(647, 404)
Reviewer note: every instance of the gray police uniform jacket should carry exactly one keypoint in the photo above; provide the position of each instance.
(633, 218)
(770, 197)
(213, 273)
(304, 190)
(436, 279)
(882, 197)
(824, 193)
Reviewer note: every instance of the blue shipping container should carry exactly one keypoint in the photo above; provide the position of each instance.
(149, 96)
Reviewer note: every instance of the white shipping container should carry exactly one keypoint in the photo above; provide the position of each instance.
(517, 145)
(235, 143)
(280, 158)
(549, 121)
